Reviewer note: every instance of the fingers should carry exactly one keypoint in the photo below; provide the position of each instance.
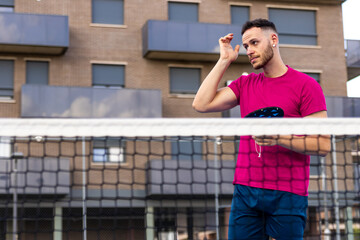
(265, 140)
(227, 38)
(237, 48)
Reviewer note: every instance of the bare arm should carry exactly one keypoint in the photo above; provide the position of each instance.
(209, 98)
(310, 144)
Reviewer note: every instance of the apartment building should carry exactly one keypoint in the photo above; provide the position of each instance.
(141, 59)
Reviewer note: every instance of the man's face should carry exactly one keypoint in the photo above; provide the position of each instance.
(258, 47)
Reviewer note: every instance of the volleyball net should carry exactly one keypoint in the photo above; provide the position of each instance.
(161, 178)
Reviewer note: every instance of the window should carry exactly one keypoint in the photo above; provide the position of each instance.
(186, 148)
(184, 80)
(315, 166)
(5, 148)
(183, 12)
(37, 72)
(108, 150)
(106, 75)
(6, 5)
(108, 11)
(315, 76)
(295, 26)
(7, 79)
(239, 14)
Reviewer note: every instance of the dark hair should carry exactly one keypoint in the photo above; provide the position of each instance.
(260, 23)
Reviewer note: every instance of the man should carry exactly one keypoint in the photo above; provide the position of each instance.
(272, 172)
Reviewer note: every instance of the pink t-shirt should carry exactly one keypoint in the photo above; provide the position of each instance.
(278, 168)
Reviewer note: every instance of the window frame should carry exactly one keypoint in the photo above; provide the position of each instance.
(108, 25)
(312, 71)
(232, 4)
(184, 94)
(297, 8)
(197, 3)
(317, 80)
(12, 97)
(109, 63)
(106, 144)
(315, 167)
(8, 7)
(37, 60)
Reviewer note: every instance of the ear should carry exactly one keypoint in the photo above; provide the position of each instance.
(274, 39)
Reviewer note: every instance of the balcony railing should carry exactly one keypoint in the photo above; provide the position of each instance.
(307, 1)
(189, 177)
(88, 102)
(33, 33)
(352, 48)
(187, 41)
(35, 176)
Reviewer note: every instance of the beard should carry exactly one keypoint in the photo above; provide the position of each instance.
(267, 56)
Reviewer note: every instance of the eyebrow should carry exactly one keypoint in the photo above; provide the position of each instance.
(252, 39)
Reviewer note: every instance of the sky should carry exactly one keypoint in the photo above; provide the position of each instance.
(351, 20)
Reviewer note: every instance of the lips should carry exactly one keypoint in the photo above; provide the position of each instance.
(252, 60)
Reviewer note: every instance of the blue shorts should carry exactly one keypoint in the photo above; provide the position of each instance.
(259, 213)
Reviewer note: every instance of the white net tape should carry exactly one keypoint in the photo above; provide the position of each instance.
(177, 127)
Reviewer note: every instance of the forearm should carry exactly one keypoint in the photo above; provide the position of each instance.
(310, 145)
(209, 87)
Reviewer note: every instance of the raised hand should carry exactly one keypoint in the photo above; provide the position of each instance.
(226, 50)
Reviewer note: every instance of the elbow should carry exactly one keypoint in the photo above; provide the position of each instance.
(323, 153)
(325, 147)
(198, 108)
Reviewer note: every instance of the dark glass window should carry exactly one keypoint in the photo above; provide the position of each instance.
(37, 72)
(110, 150)
(108, 11)
(315, 76)
(183, 12)
(239, 15)
(295, 26)
(184, 80)
(107, 75)
(6, 79)
(6, 5)
(315, 165)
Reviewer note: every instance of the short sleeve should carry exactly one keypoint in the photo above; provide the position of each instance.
(312, 98)
(235, 86)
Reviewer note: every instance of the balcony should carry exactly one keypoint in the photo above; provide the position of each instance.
(186, 177)
(43, 101)
(33, 33)
(343, 106)
(187, 41)
(352, 58)
(338, 2)
(45, 176)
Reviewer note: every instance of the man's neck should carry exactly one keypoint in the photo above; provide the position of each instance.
(275, 69)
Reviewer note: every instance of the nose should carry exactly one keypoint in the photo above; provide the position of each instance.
(249, 51)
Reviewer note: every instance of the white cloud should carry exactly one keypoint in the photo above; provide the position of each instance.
(9, 32)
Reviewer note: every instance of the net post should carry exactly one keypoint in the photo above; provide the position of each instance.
(336, 190)
(84, 208)
(349, 224)
(57, 223)
(150, 225)
(327, 233)
(15, 156)
(217, 141)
